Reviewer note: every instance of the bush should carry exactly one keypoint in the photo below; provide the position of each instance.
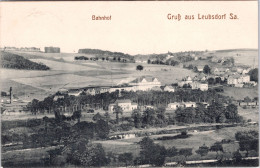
(180, 136)
(226, 141)
(58, 160)
(126, 127)
(183, 133)
(34, 122)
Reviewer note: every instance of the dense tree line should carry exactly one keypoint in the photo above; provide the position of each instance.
(214, 113)
(248, 141)
(254, 75)
(162, 62)
(103, 100)
(13, 61)
(102, 53)
(81, 58)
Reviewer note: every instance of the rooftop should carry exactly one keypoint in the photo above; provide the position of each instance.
(147, 78)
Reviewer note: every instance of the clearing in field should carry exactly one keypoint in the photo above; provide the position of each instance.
(62, 66)
(54, 82)
(240, 93)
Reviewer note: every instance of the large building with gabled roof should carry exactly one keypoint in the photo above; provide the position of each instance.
(126, 105)
(145, 83)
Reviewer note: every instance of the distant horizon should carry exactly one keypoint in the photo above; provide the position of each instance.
(42, 50)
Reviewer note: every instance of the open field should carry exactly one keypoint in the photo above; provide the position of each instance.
(240, 93)
(247, 57)
(252, 113)
(63, 66)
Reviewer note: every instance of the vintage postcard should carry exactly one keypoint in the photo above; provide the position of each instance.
(129, 84)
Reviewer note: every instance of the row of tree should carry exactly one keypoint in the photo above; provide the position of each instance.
(114, 59)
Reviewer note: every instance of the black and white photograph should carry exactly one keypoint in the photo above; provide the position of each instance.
(129, 84)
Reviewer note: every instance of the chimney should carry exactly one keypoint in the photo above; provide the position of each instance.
(10, 95)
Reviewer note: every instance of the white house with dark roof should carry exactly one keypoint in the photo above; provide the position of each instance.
(145, 83)
(126, 105)
(175, 105)
(199, 85)
(186, 80)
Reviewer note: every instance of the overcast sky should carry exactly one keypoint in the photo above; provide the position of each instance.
(135, 28)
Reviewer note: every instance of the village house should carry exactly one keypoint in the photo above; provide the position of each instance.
(199, 85)
(56, 97)
(113, 89)
(169, 56)
(214, 59)
(63, 91)
(220, 71)
(140, 60)
(145, 107)
(238, 79)
(168, 89)
(251, 104)
(156, 88)
(174, 106)
(122, 88)
(125, 104)
(241, 69)
(201, 77)
(205, 104)
(104, 89)
(127, 88)
(199, 68)
(244, 79)
(91, 91)
(246, 71)
(186, 80)
(74, 92)
(145, 83)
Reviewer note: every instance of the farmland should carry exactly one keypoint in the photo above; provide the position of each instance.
(242, 56)
(80, 74)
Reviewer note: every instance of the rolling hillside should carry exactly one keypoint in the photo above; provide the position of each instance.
(13, 61)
